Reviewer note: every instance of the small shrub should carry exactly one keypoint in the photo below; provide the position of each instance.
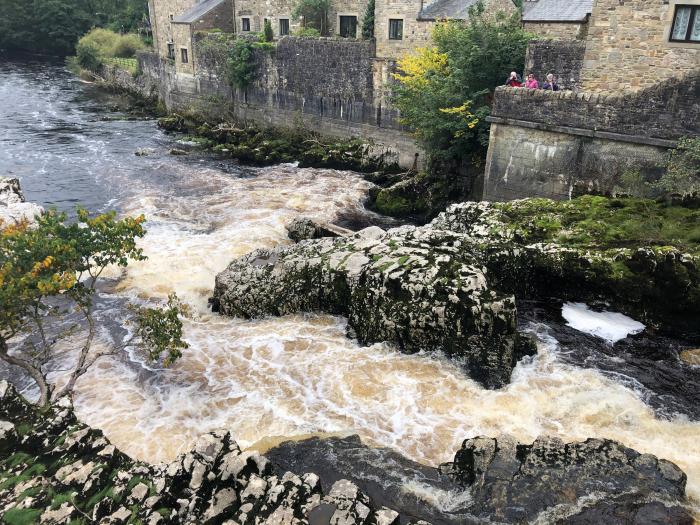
(127, 46)
(268, 36)
(368, 21)
(307, 32)
(633, 184)
(683, 169)
(88, 56)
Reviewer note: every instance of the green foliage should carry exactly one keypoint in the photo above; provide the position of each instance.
(160, 330)
(444, 92)
(683, 169)
(19, 516)
(241, 68)
(56, 258)
(54, 26)
(368, 21)
(633, 184)
(102, 45)
(88, 56)
(267, 31)
(603, 223)
(313, 13)
(307, 32)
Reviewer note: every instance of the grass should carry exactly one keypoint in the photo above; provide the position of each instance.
(605, 223)
(22, 516)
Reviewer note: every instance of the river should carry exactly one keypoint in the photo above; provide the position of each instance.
(273, 379)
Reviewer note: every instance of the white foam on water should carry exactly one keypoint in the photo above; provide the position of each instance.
(611, 326)
(300, 375)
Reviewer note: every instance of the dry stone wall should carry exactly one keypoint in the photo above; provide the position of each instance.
(564, 58)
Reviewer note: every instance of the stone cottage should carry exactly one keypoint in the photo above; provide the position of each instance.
(400, 26)
(175, 22)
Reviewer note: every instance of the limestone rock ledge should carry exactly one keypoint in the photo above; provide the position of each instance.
(13, 208)
(56, 470)
(419, 288)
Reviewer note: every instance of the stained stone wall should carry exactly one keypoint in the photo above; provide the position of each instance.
(628, 46)
(558, 30)
(160, 15)
(564, 58)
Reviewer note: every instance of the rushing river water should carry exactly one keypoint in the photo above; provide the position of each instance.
(273, 379)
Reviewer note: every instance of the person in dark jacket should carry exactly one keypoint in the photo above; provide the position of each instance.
(514, 80)
(551, 83)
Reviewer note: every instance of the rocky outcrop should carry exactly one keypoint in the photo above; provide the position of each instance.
(549, 481)
(13, 208)
(56, 470)
(420, 288)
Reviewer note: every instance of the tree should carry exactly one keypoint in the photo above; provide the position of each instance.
(682, 175)
(267, 31)
(48, 277)
(241, 68)
(444, 92)
(314, 14)
(368, 21)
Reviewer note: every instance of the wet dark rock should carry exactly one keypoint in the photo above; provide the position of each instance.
(304, 228)
(555, 482)
(177, 151)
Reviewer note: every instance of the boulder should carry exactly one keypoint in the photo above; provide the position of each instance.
(303, 228)
(550, 481)
(419, 288)
(13, 207)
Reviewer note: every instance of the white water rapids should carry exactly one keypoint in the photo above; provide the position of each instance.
(273, 379)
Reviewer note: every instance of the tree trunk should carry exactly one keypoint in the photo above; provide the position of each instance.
(33, 371)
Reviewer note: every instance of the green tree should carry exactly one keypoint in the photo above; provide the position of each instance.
(268, 36)
(241, 68)
(48, 277)
(313, 13)
(444, 92)
(368, 21)
(683, 169)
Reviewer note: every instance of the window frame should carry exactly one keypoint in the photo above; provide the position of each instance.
(171, 50)
(341, 16)
(184, 56)
(245, 21)
(400, 20)
(694, 16)
(280, 20)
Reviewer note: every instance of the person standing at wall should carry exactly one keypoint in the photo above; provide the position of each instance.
(514, 80)
(551, 83)
(531, 82)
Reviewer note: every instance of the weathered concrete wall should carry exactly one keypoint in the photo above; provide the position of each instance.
(628, 45)
(561, 144)
(564, 58)
(525, 162)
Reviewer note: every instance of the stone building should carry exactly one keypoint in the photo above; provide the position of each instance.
(400, 26)
(557, 18)
(175, 22)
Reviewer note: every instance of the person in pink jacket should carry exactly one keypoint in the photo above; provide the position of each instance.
(531, 82)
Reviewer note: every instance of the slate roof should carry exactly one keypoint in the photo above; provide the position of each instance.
(557, 11)
(198, 11)
(452, 9)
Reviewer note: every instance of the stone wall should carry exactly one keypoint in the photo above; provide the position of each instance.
(564, 58)
(161, 12)
(182, 38)
(324, 85)
(666, 111)
(562, 144)
(628, 46)
(558, 30)
(220, 17)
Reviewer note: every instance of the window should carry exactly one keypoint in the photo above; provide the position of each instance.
(348, 26)
(171, 51)
(183, 55)
(686, 24)
(284, 26)
(395, 29)
(245, 24)
(171, 17)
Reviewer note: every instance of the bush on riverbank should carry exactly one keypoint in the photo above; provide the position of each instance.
(102, 45)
